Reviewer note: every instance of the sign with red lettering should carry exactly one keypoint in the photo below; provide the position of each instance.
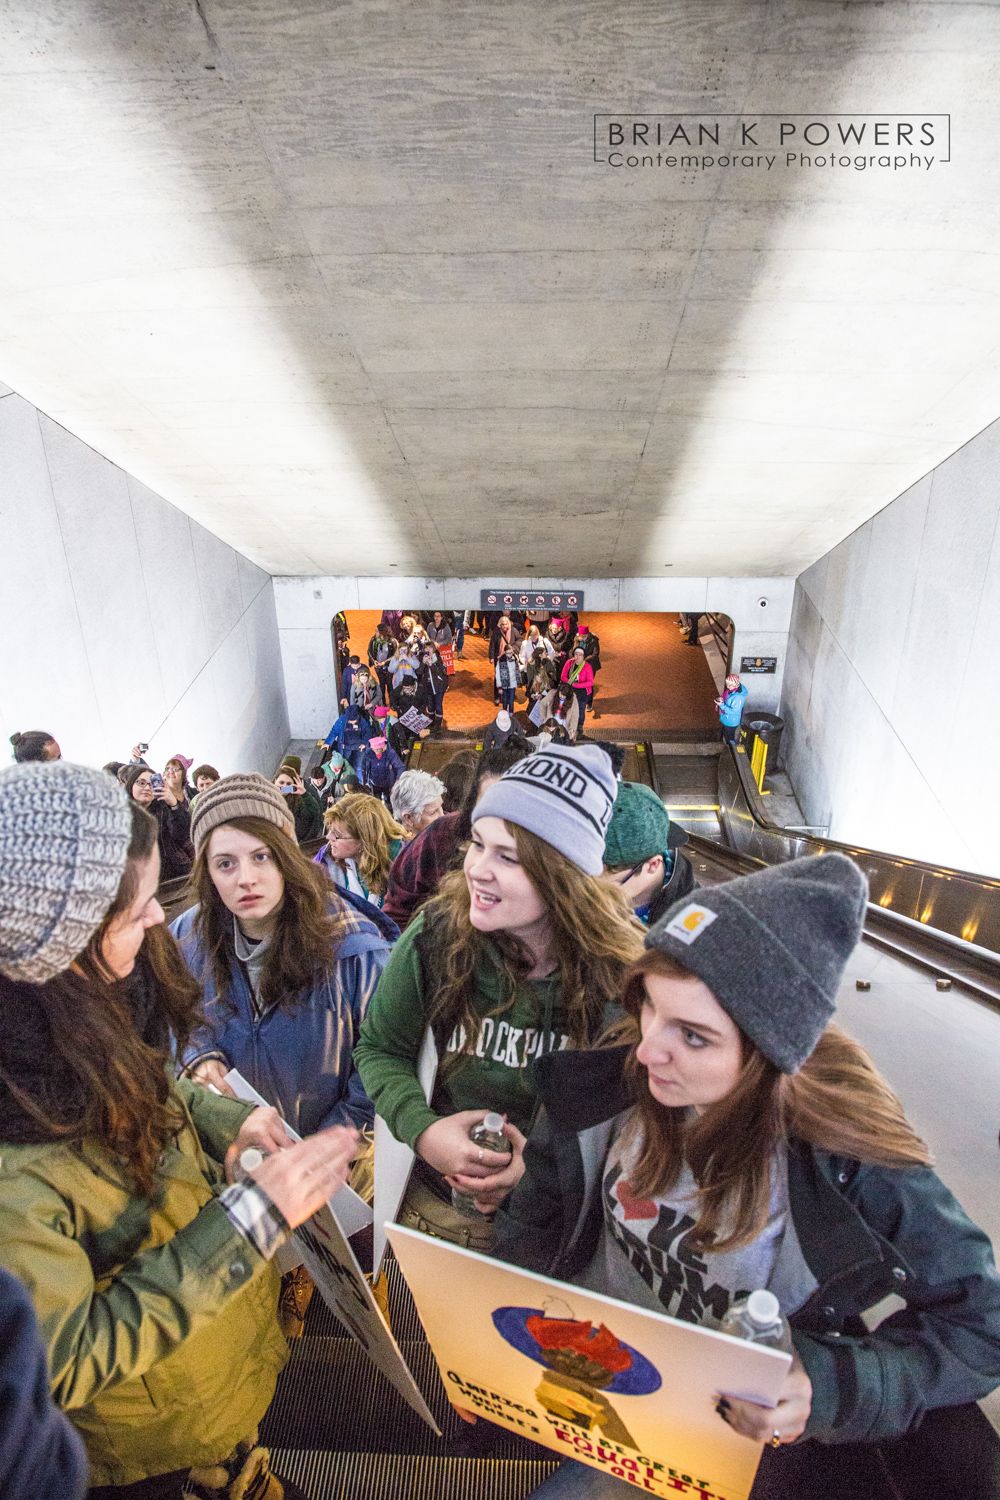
(530, 599)
(627, 1391)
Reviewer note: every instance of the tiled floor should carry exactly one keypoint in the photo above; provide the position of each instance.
(650, 680)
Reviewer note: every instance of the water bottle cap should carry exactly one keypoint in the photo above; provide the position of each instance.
(493, 1122)
(251, 1158)
(764, 1308)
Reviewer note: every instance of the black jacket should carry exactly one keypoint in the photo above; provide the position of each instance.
(680, 884)
(176, 848)
(865, 1231)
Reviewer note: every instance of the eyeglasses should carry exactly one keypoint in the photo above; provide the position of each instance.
(624, 879)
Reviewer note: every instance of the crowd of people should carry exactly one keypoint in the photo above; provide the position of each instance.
(682, 1120)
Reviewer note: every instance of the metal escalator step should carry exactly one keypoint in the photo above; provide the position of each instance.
(383, 1476)
(330, 1396)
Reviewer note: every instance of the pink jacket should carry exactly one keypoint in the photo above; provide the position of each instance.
(585, 678)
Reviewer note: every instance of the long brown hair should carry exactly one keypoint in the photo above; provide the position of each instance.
(594, 939)
(306, 936)
(370, 822)
(113, 1086)
(837, 1101)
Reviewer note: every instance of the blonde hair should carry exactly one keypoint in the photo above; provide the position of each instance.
(594, 939)
(370, 823)
(837, 1101)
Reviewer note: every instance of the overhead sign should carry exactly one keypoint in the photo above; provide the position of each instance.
(530, 599)
(630, 1392)
(755, 665)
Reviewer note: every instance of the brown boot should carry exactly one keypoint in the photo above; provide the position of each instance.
(297, 1288)
(247, 1475)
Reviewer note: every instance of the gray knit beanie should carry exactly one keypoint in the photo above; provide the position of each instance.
(563, 795)
(64, 837)
(772, 948)
(243, 795)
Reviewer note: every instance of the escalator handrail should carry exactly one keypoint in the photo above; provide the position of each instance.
(913, 888)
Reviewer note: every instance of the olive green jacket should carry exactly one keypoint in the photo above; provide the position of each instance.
(158, 1316)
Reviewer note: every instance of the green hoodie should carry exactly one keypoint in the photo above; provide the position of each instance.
(496, 1072)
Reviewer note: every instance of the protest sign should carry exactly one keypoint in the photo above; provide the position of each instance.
(414, 721)
(628, 1391)
(322, 1246)
(394, 1159)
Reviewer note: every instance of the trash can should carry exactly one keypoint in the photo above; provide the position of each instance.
(763, 739)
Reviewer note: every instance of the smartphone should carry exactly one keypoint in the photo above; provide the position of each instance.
(286, 790)
(156, 781)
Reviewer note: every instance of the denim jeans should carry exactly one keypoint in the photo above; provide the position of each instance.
(581, 698)
(573, 1481)
(507, 699)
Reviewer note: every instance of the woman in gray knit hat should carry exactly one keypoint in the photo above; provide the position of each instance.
(739, 1143)
(152, 1280)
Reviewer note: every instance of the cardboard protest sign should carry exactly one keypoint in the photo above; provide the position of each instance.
(414, 721)
(629, 1392)
(394, 1159)
(323, 1248)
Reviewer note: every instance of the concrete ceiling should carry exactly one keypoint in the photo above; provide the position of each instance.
(342, 279)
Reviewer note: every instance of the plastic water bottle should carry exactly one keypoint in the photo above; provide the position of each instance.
(488, 1134)
(758, 1319)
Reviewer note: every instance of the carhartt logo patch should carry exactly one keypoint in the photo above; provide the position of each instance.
(690, 921)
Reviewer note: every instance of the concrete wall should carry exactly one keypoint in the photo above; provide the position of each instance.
(889, 690)
(122, 619)
(305, 607)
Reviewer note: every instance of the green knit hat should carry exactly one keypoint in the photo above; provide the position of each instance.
(292, 763)
(640, 827)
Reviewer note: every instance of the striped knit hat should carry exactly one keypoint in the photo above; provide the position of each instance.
(243, 795)
(64, 837)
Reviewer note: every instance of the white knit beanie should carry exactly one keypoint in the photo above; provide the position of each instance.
(565, 796)
(64, 837)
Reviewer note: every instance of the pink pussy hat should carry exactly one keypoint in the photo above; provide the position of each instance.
(186, 761)
(378, 743)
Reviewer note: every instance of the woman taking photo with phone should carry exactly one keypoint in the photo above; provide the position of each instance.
(738, 1141)
(517, 956)
(151, 1279)
(303, 803)
(173, 819)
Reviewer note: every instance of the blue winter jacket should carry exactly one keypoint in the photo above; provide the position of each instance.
(731, 711)
(349, 732)
(301, 1059)
(380, 772)
(41, 1455)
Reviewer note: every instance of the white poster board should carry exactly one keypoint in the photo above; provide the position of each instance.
(629, 1392)
(322, 1246)
(394, 1159)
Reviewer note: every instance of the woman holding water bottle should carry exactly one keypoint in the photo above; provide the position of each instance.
(517, 956)
(737, 1142)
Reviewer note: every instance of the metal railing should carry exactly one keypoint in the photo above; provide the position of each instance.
(959, 903)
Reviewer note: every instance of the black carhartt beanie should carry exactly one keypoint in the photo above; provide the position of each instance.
(772, 948)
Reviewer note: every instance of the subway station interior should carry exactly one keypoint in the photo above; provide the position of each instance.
(680, 318)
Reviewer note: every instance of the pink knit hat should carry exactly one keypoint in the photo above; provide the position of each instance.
(186, 761)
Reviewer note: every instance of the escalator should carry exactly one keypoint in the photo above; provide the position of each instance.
(336, 1425)
(944, 921)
